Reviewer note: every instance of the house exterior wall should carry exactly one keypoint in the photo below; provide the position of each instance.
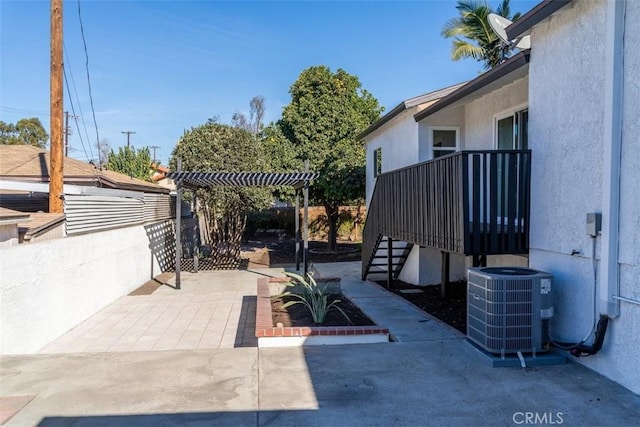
(47, 288)
(566, 122)
(480, 113)
(8, 235)
(399, 142)
(452, 117)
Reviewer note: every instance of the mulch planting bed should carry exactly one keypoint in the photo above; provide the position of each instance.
(269, 251)
(452, 310)
(298, 314)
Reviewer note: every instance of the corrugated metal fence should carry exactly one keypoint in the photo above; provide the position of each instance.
(91, 213)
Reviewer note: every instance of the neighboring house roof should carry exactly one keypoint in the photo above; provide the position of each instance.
(39, 223)
(512, 69)
(160, 168)
(9, 216)
(160, 172)
(541, 11)
(427, 98)
(29, 163)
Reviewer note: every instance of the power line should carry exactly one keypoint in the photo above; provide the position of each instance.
(75, 89)
(76, 117)
(21, 111)
(86, 54)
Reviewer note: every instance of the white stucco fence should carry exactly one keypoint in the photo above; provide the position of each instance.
(47, 288)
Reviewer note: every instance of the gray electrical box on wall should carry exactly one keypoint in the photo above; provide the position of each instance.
(594, 223)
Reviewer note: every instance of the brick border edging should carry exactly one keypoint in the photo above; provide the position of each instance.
(264, 319)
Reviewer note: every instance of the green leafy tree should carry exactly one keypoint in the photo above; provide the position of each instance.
(131, 161)
(326, 113)
(24, 132)
(215, 147)
(472, 35)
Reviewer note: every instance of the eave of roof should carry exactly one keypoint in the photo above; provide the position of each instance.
(406, 104)
(28, 163)
(39, 223)
(541, 11)
(9, 216)
(509, 66)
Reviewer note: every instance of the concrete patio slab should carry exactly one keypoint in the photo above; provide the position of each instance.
(214, 309)
(127, 388)
(430, 377)
(438, 383)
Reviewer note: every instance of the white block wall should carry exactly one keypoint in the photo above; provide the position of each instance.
(47, 288)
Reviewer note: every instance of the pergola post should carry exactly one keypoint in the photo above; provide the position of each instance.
(194, 180)
(306, 220)
(306, 228)
(297, 215)
(178, 225)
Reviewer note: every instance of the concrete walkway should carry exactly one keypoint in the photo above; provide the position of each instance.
(430, 376)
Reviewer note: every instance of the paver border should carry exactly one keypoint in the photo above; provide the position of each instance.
(316, 335)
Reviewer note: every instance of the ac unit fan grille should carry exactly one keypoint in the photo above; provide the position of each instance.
(503, 311)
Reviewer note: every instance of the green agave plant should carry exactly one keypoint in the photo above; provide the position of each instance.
(312, 296)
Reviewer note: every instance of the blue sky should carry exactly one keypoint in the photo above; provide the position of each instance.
(160, 67)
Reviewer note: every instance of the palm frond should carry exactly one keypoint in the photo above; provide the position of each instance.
(463, 49)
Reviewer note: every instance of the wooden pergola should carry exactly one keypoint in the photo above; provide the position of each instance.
(300, 181)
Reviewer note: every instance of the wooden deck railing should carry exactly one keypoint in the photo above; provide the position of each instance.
(469, 203)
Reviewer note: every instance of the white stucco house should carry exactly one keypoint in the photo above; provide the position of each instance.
(569, 108)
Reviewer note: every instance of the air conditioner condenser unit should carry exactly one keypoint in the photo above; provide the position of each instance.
(508, 309)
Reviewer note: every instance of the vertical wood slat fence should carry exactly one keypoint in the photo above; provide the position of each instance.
(469, 203)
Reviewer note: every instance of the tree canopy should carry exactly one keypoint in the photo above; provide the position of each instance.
(472, 35)
(24, 132)
(223, 148)
(131, 161)
(320, 124)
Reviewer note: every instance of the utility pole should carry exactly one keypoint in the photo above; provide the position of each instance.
(67, 131)
(56, 158)
(154, 147)
(128, 133)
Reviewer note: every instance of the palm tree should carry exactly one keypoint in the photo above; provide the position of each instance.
(473, 37)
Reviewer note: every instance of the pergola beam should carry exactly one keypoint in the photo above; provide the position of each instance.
(194, 180)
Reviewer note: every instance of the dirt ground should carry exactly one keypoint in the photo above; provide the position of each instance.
(452, 310)
(269, 251)
(299, 315)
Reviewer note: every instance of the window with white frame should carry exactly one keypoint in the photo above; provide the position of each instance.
(444, 140)
(512, 130)
(377, 162)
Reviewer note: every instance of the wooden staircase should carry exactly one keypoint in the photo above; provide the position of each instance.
(378, 265)
(470, 203)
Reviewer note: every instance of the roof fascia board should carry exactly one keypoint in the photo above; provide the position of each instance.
(382, 120)
(77, 190)
(405, 105)
(541, 11)
(502, 70)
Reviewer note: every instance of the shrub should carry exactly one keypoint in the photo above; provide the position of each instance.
(312, 296)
